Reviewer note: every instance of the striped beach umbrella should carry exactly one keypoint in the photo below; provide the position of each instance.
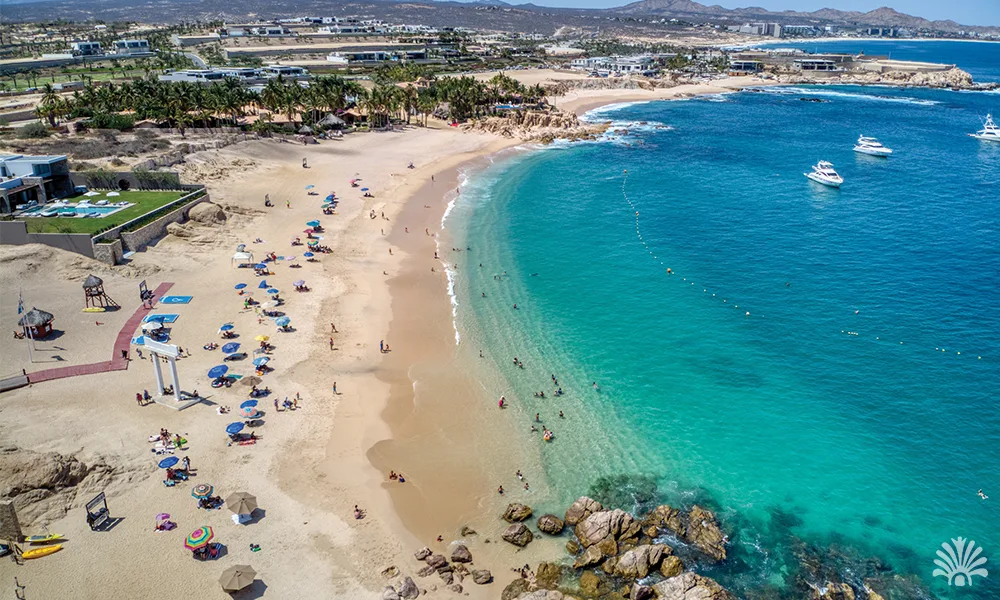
(202, 490)
(249, 412)
(199, 538)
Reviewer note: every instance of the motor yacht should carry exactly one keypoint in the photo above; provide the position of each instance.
(871, 146)
(990, 131)
(822, 172)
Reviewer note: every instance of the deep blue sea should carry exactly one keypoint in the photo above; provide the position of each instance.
(821, 366)
(980, 59)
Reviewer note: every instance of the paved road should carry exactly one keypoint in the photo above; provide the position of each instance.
(199, 63)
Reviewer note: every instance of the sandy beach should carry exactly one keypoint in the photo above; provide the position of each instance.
(424, 409)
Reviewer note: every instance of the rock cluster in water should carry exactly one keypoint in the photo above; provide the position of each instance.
(953, 78)
(452, 573)
(618, 556)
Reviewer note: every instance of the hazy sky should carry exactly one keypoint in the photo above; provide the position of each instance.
(967, 12)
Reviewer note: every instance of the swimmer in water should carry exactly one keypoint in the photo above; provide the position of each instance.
(982, 495)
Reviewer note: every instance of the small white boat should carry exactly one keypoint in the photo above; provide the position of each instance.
(871, 146)
(822, 172)
(990, 131)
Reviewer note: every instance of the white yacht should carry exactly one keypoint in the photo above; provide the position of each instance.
(870, 145)
(990, 131)
(823, 173)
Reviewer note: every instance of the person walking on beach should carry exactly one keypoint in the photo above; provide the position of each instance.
(335, 388)
(138, 398)
(381, 346)
(331, 343)
(500, 490)
(288, 204)
(276, 409)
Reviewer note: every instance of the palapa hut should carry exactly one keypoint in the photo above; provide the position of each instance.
(331, 120)
(36, 323)
(305, 129)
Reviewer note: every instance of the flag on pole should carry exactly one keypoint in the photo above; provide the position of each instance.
(20, 303)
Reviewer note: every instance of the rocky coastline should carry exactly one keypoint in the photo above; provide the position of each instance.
(543, 126)
(953, 78)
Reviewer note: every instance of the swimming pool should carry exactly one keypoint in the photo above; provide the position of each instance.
(73, 210)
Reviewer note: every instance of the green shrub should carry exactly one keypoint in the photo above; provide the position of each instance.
(34, 131)
(111, 121)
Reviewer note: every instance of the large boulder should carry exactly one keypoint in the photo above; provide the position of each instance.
(671, 566)
(461, 554)
(640, 561)
(517, 512)
(688, 586)
(581, 509)
(703, 531)
(408, 589)
(550, 524)
(545, 595)
(389, 593)
(641, 592)
(549, 575)
(666, 517)
(590, 556)
(482, 576)
(518, 534)
(514, 589)
(423, 553)
(602, 524)
(436, 560)
(207, 213)
(590, 584)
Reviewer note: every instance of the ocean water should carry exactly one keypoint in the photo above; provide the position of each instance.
(821, 366)
(979, 59)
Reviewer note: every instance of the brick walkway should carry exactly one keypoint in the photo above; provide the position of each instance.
(122, 342)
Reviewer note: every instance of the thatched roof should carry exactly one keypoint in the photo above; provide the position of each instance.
(35, 318)
(331, 120)
(92, 281)
(305, 129)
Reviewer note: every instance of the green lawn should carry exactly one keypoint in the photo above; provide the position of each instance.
(143, 202)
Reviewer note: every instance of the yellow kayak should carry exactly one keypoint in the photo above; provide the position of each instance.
(43, 539)
(93, 309)
(40, 552)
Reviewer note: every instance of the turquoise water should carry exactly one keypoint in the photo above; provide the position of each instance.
(979, 59)
(850, 418)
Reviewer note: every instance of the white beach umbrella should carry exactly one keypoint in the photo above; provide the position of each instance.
(92, 193)
(113, 194)
(152, 326)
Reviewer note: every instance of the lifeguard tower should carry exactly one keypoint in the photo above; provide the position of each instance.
(94, 295)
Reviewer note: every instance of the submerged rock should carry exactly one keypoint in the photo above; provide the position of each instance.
(514, 589)
(549, 575)
(671, 566)
(590, 584)
(703, 531)
(518, 534)
(550, 524)
(833, 591)
(517, 512)
(581, 509)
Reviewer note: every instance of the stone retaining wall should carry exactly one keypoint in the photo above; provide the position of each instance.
(109, 252)
(135, 241)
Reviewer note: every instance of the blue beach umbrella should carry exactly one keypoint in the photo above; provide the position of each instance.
(364, 189)
(263, 285)
(308, 254)
(240, 286)
(282, 321)
(249, 404)
(227, 327)
(260, 266)
(272, 291)
(234, 428)
(263, 360)
(329, 198)
(218, 371)
(230, 347)
(168, 462)
(314, 223)
(310, 186)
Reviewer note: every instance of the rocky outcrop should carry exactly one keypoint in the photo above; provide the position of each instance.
(833, 591)
(697, 527)
(545, 126)
(518, 534)
(514, 589)
(461, 554)
(437, 561)
(545, 595)
(590, 584)
(600, 525)
(641, 592)
(207, 213)
(517, 512)
(482, 577)
(640, 561)
(954, 78)
(581, 509)
(689, 586)
(548, 575)
(390, 593)
(550, 524)
(590, 556)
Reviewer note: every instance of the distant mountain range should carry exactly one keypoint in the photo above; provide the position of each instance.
(880, 17)
(485, 14)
